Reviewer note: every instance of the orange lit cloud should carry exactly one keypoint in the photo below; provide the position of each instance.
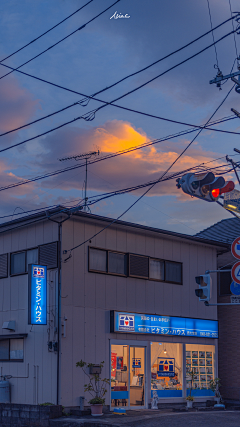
(127, 170)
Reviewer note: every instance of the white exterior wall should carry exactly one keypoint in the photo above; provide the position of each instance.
(14, 306)
(87, 297)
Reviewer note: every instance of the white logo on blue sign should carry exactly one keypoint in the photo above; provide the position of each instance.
(38, 272)
(126, 322)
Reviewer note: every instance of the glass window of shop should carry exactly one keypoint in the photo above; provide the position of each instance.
(119, 375)
(200, 361)
(166, 369)
(127, 375)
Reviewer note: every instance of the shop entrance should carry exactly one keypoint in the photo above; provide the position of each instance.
(128, 376)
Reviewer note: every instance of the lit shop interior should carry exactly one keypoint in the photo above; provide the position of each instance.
(129, 372)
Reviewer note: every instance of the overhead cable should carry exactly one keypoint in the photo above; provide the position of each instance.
(126, 94)
(119, 81)
(43, 34)
(149, 189)
(91, 115)
(210, 17)
(64, 38)
(108, 156)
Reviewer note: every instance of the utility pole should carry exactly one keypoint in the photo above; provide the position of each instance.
(86, 157)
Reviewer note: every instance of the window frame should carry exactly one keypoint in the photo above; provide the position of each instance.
(12, 360)
(156, 280)
(170, 281)
(15, 253)
(167, 281)
(18, 252)
(133, 275)
(25, 251)
(107, 262)
(128, 266)
(8, 264)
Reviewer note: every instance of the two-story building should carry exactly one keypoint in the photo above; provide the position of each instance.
(119, 292)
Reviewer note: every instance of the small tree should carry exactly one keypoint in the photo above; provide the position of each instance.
(96, 386)
(191, 375)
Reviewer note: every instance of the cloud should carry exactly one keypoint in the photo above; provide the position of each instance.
(127, 170)
(16, 105)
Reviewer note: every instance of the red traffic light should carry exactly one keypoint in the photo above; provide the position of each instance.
(226, 189)
(216, 192)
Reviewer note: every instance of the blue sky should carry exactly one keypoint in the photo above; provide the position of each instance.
(88, 61)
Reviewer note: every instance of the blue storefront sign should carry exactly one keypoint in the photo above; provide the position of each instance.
(163, 325)
(37, 294)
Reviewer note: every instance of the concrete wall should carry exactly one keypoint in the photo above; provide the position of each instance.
(87, 297)
(41, 385)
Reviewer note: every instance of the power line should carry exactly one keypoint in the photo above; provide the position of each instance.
(234, 35)
(210, 17)
(43, 34)
(119, 81)
(91, 115)
(64, 38)
(93, 112)
(108, 156)
(162, 176)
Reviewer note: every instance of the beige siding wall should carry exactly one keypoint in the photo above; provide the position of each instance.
(87, 298)
(41, 363)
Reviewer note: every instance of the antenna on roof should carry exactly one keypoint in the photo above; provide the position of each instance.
(84, 156)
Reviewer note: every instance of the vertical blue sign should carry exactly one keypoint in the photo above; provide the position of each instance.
(37, 294)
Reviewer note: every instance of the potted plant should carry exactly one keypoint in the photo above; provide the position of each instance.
(214, 386)
(190, 398)
(96, 386)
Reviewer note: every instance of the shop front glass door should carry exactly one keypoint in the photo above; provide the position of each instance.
(137, 376)
(127, 376)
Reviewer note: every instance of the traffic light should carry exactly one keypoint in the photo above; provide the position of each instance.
(204, 291)
(204, 186)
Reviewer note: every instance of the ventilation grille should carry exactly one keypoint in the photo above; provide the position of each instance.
(138, 266)
(48, 255)
(3, 266)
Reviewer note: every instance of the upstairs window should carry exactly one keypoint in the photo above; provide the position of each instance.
(156, 269)
(173, 272)
(98, 260)
(133, 265)
(117, 263)
(20, 260)
(42, 255)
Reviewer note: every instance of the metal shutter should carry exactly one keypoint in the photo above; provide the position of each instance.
(138, 266)
(48, 255)
(3, 266)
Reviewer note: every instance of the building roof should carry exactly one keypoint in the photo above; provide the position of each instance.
(66, 212)
(224, 231)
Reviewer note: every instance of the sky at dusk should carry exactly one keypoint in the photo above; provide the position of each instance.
(97, 56)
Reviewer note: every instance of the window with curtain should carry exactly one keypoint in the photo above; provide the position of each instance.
(97, 260)
(117, 263)
(156, 269)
